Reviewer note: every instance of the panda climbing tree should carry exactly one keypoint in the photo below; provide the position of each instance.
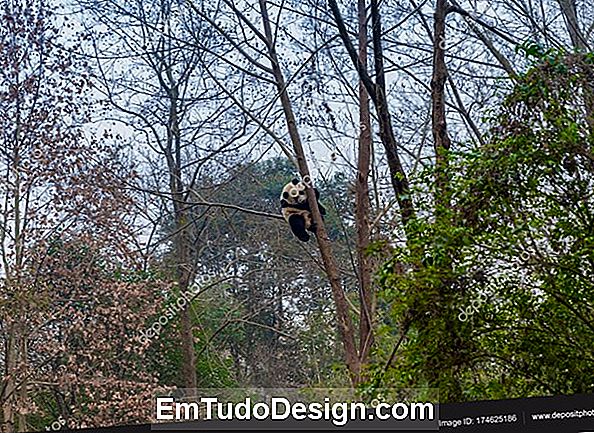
(345, 323)
(296, 209)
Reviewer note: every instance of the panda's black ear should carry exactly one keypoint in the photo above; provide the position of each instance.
(295, 181)
(285, 195)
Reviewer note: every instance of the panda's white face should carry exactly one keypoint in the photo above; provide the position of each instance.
(294, 192)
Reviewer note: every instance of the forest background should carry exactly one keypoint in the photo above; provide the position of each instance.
(143, 148)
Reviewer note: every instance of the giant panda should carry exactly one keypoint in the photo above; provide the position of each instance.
(296, 210)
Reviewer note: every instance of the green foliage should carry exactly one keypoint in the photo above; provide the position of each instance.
(514, 252)
(214, 370)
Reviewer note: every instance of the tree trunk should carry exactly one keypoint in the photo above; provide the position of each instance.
(362, 204)
(189, 378)
(22, 386)
(441, 140)
(441, 367)
(579, 43)
(345, 323)
(573, 27)
(182, 247)
(8, 397)
(398, 175)
(377, 93)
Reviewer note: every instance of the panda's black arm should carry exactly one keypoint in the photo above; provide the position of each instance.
(299, 206)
